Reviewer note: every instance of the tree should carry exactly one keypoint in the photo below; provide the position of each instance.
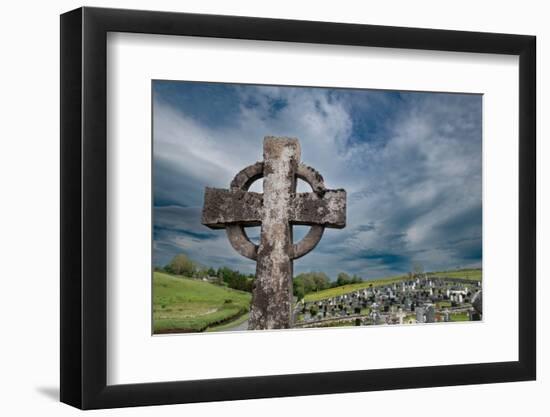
(308, 282)
(200, 272)
(417, 268)
(343, 279)
(356, 279)
(236, 280)
(298, 288)
(321, 281)
(181, 265)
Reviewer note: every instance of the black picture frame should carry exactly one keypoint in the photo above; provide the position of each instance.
(84, 207)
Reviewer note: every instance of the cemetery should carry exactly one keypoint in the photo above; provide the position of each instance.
(417, 298)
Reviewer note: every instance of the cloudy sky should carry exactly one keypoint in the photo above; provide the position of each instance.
(410, 163)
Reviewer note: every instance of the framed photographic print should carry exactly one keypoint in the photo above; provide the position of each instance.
(258, 207)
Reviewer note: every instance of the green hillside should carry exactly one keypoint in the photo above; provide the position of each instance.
(344, 289)
(471, 274)
(190, 305)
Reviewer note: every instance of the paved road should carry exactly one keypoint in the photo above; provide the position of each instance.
(238, 328)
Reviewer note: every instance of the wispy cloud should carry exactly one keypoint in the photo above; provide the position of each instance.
(411, 163)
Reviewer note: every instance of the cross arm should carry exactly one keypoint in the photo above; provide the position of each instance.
(329, 210)
(223, 207)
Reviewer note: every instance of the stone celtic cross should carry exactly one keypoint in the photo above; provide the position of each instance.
(276, 211)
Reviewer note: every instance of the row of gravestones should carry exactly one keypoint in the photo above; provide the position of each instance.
(388, 297)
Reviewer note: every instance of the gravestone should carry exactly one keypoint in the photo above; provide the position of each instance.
(430, 314)
(420, 317)
(401, 315)
(477, 302)
(276, 210)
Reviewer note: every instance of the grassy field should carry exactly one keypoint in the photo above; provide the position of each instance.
(443, 304)
(189, 305)
(471, 274)
(463, 316)
(344, 289)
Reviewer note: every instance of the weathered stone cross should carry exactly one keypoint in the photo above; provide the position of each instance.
(276, 210)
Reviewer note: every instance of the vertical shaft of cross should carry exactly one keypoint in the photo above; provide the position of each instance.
(272, 295)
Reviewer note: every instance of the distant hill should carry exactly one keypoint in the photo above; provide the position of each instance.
(470, 274)
(190, 305)
(344, 289)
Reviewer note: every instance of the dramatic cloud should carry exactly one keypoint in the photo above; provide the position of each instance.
(410, 162)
